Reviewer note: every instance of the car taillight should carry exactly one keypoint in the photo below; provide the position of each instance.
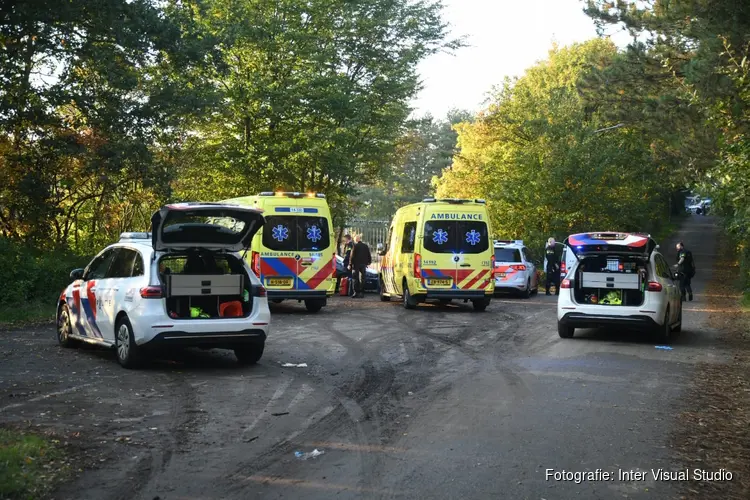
(259, 291)
(255, 263)
(417, 266)
(654, 286)
(151, 292)
(518, 267)
(565, 284)
(562, 269)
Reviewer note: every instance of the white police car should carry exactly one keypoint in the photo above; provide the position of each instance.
(185, 284)
(618, 279)
(514, 269)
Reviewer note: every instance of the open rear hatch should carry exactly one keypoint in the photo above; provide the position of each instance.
(613, 267)
(199, 276)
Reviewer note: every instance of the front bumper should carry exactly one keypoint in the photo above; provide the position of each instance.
(583, 320)
(226, 340)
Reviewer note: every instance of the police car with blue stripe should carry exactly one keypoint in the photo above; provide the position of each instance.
(184, 284)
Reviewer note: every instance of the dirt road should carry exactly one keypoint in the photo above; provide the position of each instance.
(441, 402)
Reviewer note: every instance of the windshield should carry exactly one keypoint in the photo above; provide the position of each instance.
(507, 255)
(469, 237)
(290, 233)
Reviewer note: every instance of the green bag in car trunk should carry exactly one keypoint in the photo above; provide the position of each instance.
(613, 298)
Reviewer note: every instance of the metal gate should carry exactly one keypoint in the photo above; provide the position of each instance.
(373, 232)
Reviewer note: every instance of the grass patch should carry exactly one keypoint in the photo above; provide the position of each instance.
(30, 464)
(34, 312)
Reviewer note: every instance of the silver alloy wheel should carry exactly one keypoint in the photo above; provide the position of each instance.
(63, 326)
(123, 341)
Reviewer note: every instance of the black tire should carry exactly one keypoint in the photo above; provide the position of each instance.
(383, 296)
(565, 331)
(64, 328)
(249, 354)
(127, 351)
(409, 302)
(678, 328)
(314, 305)
(527, 293)
(664, 332)
(480, 304)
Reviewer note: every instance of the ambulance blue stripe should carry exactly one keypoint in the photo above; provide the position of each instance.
(301, 285)
(279, 266)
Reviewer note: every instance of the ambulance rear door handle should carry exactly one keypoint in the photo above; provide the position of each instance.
(465, 265)
(306, 263)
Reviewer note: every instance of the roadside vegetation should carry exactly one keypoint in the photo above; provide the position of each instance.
(108, 110)
(31, 465)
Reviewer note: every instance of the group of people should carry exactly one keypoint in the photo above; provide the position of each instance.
(357, 257)
(685, 268)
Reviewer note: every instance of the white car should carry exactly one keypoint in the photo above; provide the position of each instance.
(700, 208)
(184, 284)
(514, 269)
(618, 279)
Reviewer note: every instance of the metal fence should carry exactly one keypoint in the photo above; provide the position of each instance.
(373, 232)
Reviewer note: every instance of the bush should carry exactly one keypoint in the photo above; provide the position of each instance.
(31, 277)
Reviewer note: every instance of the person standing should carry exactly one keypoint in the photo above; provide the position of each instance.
(553, 267)
(686, 269)
(347, 253)
(360, 259)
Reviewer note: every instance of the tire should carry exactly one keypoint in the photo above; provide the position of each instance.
(678, 328)
(565, 331)
(527, 293)
(64, 328)
(480, 304)
(409, 302)
(249, 354)
(127, 351)
(314, 305)
(664, 332)
(383, 296)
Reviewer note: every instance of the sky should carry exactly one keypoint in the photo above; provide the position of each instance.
(504, 38)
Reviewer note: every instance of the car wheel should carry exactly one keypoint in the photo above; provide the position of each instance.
(314, 305)
(565, 331)
(249, 354)
(128, 352)
(409, 302)
(64, 329)
(527, 293)
(383, 296)
(678, 328)
(665, 331)
(480, 304)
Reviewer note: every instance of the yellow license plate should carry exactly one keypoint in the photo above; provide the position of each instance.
(444, 282)
(278, 282)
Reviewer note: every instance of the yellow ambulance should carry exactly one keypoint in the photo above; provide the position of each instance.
(294, 253)
(439, 249)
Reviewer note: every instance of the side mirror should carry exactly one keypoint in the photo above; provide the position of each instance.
(76, 274)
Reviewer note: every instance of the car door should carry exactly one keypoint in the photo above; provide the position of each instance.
(671, 288)
(87, 296)
(530, 267)
(405, 255)
(113, 289)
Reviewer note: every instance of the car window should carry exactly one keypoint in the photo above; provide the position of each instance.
(527, 255)
(467, 237)
(507, 255)
(97, 268)
(662, 268)
(138, 265)
(288, 233)
(410, 235)
(122, 266)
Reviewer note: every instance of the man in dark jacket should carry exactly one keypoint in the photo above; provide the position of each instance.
(347, 257)
(360, 259)
(686, 268)
(553, 267)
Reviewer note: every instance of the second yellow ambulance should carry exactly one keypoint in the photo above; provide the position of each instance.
(294, 253)
(439, 249)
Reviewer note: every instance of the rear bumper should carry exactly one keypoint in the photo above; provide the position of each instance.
(454, 294)
(582, 320)
(213, 339)
(298, 294)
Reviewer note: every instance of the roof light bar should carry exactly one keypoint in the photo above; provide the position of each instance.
(292, 194)
(135, 236)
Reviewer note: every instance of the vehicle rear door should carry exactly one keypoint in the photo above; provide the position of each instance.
(473, 266)
(405, 257)
(315, 251)
(440, 253)
(278, 257)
